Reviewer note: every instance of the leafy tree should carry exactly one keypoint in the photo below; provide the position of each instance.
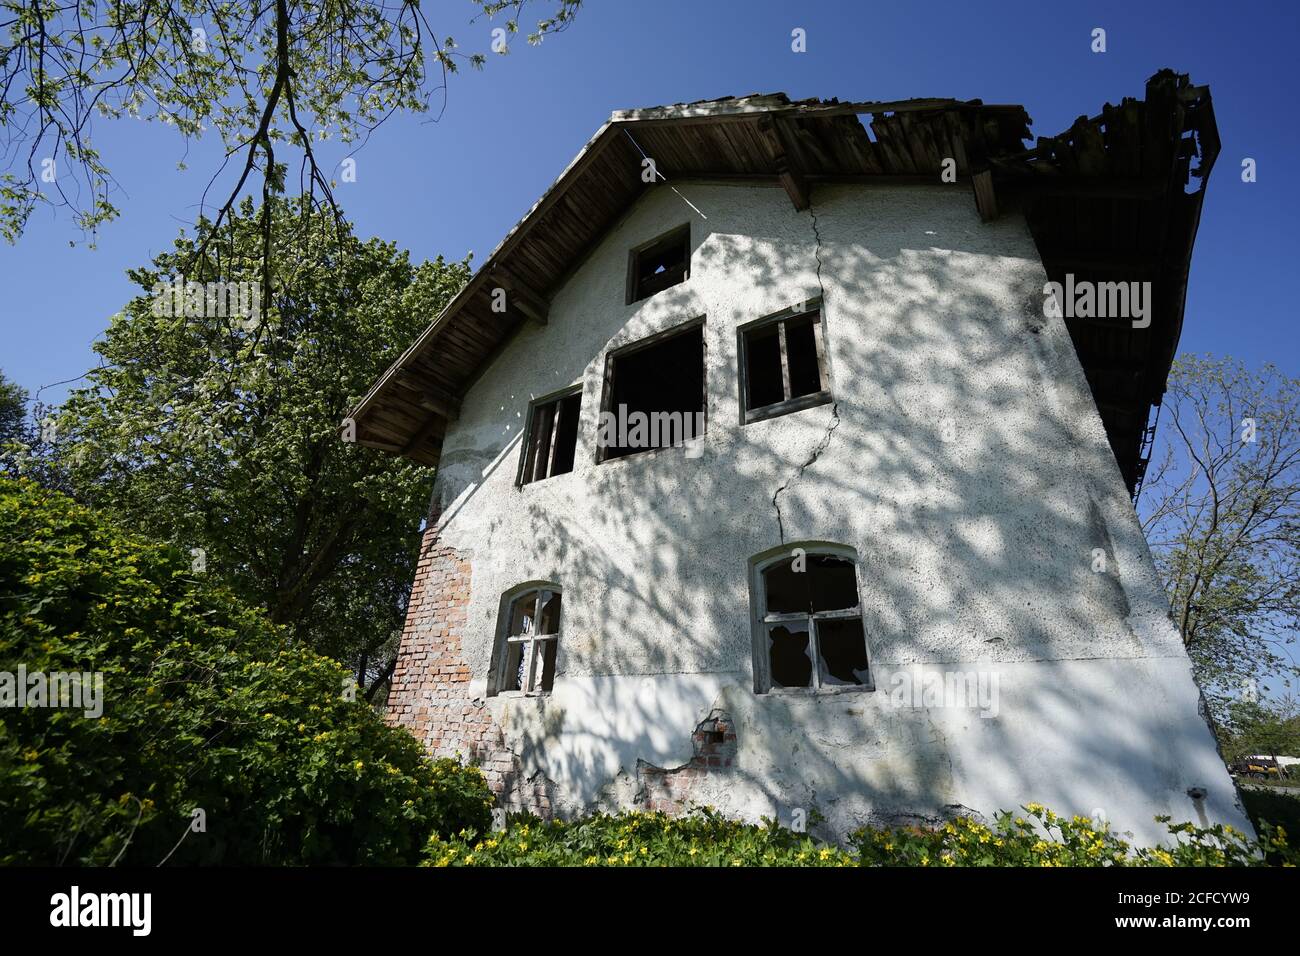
(1221, 511)
(1265, 727)
(221, 434)
(13, 411)
(263, 76)
(201, 706)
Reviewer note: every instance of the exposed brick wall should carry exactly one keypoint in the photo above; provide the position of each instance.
(430, 693)
(714, 744)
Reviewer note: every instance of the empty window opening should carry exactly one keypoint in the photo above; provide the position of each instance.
(784, 364)
(526, 656)
(658, 264)
(654, 395)
(552, 438)
(813, 635)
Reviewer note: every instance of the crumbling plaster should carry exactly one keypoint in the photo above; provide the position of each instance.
(963, 460)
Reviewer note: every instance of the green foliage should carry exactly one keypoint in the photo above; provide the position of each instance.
(1266, 727)
(13, 411)
(1278, 808)
(1043, 838)
(262, 77)
(1221, 511)
(205, 707)
(704, 838)
(222, 433)
(634, 839)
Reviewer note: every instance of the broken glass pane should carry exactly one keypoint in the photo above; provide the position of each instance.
(522, 614)
(832, 582)
(515, 662)
(787, 589)
(550, 613)
(790, 656)
(843, 651)
(547, 652)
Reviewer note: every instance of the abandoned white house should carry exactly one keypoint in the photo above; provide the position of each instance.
(771, 477)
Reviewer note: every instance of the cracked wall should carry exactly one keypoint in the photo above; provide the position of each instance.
(961, 458)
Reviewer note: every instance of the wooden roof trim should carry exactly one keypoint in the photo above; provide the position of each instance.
(586, 156)
(747, 107)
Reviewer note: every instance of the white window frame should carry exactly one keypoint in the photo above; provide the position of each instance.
(532, 643)
(763, 621)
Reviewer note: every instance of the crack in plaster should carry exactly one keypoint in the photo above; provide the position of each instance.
(835, 407)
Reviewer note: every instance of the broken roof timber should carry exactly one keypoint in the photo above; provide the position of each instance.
(1108, 190)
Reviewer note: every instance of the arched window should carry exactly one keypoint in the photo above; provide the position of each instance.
(529, 641)
(810, 629)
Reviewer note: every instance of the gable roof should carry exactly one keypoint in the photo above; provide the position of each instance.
(1106, 200)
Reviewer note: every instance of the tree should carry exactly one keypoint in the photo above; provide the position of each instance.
(220, 433)
(265, 75)
(1222, 514)
(1260, 727)
(192, 733)
(13, 411)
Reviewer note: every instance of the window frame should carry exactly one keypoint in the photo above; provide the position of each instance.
(634, 254)
(813, 307)
(607, 384)
(497, 684)
(761, 621)
(533, 408)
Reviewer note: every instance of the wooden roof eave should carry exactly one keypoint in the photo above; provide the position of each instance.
(471, 288)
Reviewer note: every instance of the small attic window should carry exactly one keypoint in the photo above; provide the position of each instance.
(659, 263)
(552, 437)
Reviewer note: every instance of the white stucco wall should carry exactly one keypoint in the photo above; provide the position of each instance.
(962, 459)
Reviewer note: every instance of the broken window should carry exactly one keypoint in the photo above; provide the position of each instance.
(658, 264)
(527, 652)
(552, 438)
(812, 633)
(783, 366)
(654, 394)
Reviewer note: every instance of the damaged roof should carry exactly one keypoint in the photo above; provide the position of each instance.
(1113, 198)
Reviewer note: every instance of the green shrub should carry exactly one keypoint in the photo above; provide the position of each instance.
(1047, 839)
(703, 838)
(706, 839)
(206, 706)
(1279, 808)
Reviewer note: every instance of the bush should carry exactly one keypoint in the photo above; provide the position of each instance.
(206, 707)
(703, 838)
(706, 839)
(1047, 839)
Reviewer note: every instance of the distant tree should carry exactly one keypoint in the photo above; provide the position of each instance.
(13, 411)
(1221, 510)
(220, 434)
(1268, 728)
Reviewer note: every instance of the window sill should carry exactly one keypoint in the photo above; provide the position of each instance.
(642, 453)
(820, 691)
(520, 695)
(778, 409)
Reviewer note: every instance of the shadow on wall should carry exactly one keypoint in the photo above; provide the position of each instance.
(976, 510)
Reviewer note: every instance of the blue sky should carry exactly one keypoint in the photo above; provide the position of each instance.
(460, 183)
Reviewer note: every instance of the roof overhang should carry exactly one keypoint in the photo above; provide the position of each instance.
(1107, 199)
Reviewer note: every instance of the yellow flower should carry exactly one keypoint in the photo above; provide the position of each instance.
(590, 861)
(825, 854)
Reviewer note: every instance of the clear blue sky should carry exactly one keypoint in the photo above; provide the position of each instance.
(461, 183)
